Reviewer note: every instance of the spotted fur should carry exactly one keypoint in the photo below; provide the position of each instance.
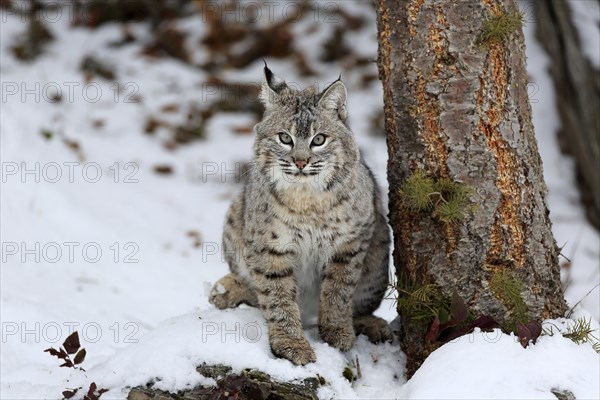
(307, 240)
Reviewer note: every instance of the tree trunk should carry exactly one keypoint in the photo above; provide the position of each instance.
(577, 85)
(456, 107)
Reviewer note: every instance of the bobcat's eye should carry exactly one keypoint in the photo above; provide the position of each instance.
(285, 138)
(318, 140)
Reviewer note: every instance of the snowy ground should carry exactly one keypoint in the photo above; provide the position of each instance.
(94, 240)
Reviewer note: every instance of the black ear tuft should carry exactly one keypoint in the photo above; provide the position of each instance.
(268, 74)
(274, 82)
(271, 88)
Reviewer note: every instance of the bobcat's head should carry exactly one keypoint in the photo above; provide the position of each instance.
(303, 137)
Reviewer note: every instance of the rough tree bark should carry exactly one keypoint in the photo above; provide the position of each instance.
(458, 108)
(577, 85)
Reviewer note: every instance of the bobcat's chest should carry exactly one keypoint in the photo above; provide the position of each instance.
(304, 201)
(314, 247)
(314, 227)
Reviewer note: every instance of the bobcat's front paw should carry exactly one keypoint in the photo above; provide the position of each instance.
(220, 300)
(375, 328)
(341, 336)
(297, 351)
(222, 297)
(230, 292)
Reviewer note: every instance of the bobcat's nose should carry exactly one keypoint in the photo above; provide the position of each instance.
(300, 164)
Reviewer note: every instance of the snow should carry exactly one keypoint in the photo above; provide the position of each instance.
(172, 351)
(105, 247)
(579, 240)
(493, 365)
(586, 17)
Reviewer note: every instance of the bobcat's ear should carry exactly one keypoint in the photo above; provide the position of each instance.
(334, 98)
(272, 85)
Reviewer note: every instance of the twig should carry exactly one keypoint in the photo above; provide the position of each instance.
(583, 298)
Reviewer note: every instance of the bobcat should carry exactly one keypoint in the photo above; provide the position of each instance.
(307, 240)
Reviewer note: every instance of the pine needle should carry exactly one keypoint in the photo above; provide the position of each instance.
(499, 27)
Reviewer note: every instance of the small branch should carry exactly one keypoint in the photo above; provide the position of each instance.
(583, 298)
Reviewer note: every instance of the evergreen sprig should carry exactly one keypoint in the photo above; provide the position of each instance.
(447, 200)
(510, 289)
(417, 190)
(420, 302)
(499, 27)
(580, 332)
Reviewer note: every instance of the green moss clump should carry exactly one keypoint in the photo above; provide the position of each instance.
(416, 191)
(348, 374)
(509, 290)
(46, 134)
(499, 27)
(582, 332)
(321, 380)
(446, 199)
(421, 303)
